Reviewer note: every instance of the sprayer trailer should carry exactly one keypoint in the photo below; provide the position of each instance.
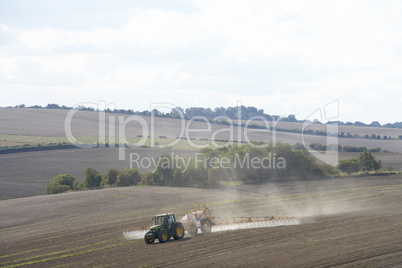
(198, 219)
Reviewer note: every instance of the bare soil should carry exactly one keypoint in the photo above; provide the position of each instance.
(344, 222)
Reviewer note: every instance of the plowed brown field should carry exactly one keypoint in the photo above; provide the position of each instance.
(344, 222)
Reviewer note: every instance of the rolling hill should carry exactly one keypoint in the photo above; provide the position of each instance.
(51, 122)
(27, 174)
(346, 222)
(340, 222)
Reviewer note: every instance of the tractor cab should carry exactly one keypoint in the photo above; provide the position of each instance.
(164, 219)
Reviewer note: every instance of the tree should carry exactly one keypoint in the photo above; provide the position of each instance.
(349, 166)
(66, 179)
(110, 176)
(52, 106)
(128, 177)
(177, 111)
(367, 162)
(163, 174)
(292, 118)
(92, 178)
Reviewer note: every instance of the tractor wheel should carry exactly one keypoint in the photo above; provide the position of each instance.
(163, 236)
(206, 226)
(178, 231)
(148, 240)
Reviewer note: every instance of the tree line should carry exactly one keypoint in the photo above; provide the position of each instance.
(244, 163)
(297, 164)
(94, 180)
(34, 148)
(230, 112)
(336, 147)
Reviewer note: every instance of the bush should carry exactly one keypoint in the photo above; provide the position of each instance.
(349, 166)
(66, 179)
(329, 170)
(81, 187)
(55, 188)
(147, 178)
(62, 183)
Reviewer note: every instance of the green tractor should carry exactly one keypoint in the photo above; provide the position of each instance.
(165, 227)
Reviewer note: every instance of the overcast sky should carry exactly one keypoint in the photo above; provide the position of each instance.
(286, 57)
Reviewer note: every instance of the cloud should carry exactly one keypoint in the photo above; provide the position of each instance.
(282, 56)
